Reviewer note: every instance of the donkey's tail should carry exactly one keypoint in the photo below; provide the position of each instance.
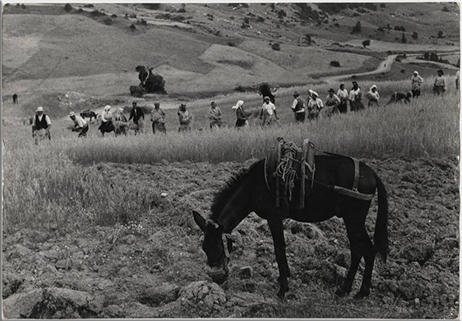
(381, 225)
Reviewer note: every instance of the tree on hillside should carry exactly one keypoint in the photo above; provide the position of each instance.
(308, 39)
(155, 83)
(440, 34)
(403, 38)
(366, 43)
(356, 28)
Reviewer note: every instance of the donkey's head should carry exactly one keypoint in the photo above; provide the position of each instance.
(217, 246)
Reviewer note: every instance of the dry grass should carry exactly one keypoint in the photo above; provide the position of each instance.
(426, 127)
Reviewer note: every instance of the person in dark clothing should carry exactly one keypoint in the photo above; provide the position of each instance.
(41, 125)
(298, 107)
(136, 114)
(15, 98)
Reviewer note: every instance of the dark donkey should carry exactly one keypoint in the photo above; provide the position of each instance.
(247, 191)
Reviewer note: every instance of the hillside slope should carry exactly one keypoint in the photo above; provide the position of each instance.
(204, 49)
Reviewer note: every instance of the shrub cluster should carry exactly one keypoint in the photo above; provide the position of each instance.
(335, 63)
(276, 46)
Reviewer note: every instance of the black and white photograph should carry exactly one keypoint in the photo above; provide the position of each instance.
(258, 160)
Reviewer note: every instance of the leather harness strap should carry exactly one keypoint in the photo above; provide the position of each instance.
(338, 189)
(356, 179)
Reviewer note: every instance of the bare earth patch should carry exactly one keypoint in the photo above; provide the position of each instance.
(155, 267)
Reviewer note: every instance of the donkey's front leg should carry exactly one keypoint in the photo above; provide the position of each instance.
(277, 232)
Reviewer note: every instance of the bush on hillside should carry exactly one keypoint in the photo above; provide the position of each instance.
(308, 39)
(155, 84)
(400, 28)
(142, 22)
(152, 6)
(231, 44)
(88, 5)
(381, 29)
(182, 9)
(403, 38)
(132, 26)
(366, 43)
(260, 19)
(113, 15)
(108, 21)
(383, 5)
(335, 63)
(440, 34)
(97, 13)
(356, 28)
(67, 7)
(281, 14)
(276, 46)
(306, 13)
(137, 91)
(415, 35)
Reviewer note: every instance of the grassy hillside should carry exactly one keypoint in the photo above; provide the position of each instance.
(211, 49)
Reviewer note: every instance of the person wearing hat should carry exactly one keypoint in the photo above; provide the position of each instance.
(332, 103)
(185, 118)
(314, 106)
(241, 115)
(416, 83)
(373, 97)
(342, 94)
(268, 112)
(356, 97)
(40, 123)
(439, 86)
(298, 107)
(106, 120)
(214, 115)
(158, 119)
(136, 114)
(80, 124)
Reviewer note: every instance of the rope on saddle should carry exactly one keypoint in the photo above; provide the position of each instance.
(285, 169)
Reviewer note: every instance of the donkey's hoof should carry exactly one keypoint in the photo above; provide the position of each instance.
(360, 295)
(281, 294)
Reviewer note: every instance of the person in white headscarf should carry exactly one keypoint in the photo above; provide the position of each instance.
(106, 119)
(373, 97)
(314, 106)
(242, 116)
(416, 83)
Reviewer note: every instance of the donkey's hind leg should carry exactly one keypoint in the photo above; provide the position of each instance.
(369, 257)
(355, 228)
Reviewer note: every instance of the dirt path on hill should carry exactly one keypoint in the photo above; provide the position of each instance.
(384, 66)
(155, 267)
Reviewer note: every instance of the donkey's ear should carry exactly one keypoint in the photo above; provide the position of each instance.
(200, 221)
